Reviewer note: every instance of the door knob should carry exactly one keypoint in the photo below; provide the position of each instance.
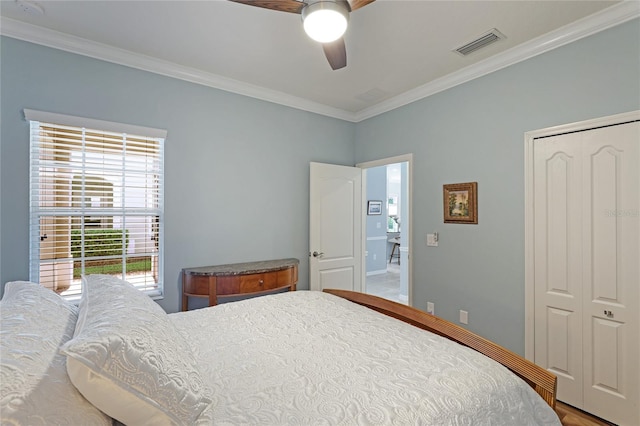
(316, 254)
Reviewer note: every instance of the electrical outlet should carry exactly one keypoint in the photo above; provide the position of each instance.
(464, 317)
(430, 308)
(375, 256)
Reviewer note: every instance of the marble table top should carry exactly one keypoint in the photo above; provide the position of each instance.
(243, 268)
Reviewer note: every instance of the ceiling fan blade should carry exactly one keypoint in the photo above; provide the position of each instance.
(291, 6)
(336, 53)
(357, 4)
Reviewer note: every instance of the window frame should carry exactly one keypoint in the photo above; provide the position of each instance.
(40, 120)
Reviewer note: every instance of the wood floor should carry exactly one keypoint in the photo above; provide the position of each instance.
(570, 416)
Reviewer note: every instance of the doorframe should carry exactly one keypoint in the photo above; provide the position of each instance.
(404, 158)
(529, 258)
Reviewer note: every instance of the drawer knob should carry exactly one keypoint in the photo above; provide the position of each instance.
(261, 282)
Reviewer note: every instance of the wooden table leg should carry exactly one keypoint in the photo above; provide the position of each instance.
(185, 298)
(213, 292)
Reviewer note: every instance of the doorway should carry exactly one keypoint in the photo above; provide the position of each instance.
(386, 231)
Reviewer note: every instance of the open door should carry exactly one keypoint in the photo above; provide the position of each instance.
(335, 222)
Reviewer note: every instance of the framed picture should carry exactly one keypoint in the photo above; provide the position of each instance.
(460, 202)
(374, 207)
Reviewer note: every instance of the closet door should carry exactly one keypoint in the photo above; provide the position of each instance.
(558, 262)
(611, 259)
(587, 267)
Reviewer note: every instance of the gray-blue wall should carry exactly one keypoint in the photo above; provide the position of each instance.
(376, 225)
(237, 168)
(475, 132)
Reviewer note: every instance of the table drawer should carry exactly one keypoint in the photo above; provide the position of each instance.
(258, 282)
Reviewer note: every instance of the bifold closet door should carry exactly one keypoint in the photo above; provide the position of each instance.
(558, 262)
(587, 267)
(612, 272)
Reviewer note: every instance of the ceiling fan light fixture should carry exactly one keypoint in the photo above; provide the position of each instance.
(325, 21)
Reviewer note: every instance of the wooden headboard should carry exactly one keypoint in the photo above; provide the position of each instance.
(541, 380)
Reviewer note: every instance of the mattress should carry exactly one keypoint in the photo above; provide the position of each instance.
(308, 357)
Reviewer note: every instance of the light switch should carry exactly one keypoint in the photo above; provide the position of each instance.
(432, 240)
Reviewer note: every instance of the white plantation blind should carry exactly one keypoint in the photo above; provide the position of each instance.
(96, 202)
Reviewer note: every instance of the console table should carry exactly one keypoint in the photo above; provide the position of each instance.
(238, 279)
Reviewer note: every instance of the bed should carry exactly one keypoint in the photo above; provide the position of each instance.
(293, 358)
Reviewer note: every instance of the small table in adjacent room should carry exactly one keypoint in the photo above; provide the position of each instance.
(396, 248)
(238, 279)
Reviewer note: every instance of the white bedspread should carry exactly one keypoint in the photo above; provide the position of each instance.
(305, 357)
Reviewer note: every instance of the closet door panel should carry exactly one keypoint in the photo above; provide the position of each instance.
(558, 266)
(612, 272)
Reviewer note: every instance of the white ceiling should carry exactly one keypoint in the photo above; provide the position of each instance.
(397, 50)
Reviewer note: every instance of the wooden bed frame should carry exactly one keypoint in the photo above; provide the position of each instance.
(541, 380)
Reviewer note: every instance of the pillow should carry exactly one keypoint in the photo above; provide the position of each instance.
(34, 386)
(129, 360)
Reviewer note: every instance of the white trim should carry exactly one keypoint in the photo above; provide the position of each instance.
(384, 161)
(69, 43)
(92, 123)
(529, 260)
(607, 18)
(585, 125)
(600, 21)
(382, 237)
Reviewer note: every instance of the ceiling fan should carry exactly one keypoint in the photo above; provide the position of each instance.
(324, 21)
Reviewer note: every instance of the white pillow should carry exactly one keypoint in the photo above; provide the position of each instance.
(34, 386)
(129, 360)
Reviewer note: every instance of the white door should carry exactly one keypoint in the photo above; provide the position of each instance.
(335, 240)
(611, 249)
(587, 267)
(558, 265)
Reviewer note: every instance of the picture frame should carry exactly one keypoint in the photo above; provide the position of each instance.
(460, 203)
(374, 207)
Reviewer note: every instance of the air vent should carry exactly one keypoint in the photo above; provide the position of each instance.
(482, 41)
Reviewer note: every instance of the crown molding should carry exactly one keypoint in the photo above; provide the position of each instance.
(607, 18)
(69, 43)
(600, 21)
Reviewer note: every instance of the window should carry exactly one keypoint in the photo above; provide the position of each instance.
(96, 202)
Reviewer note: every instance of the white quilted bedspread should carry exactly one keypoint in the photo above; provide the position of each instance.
(300, 358)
